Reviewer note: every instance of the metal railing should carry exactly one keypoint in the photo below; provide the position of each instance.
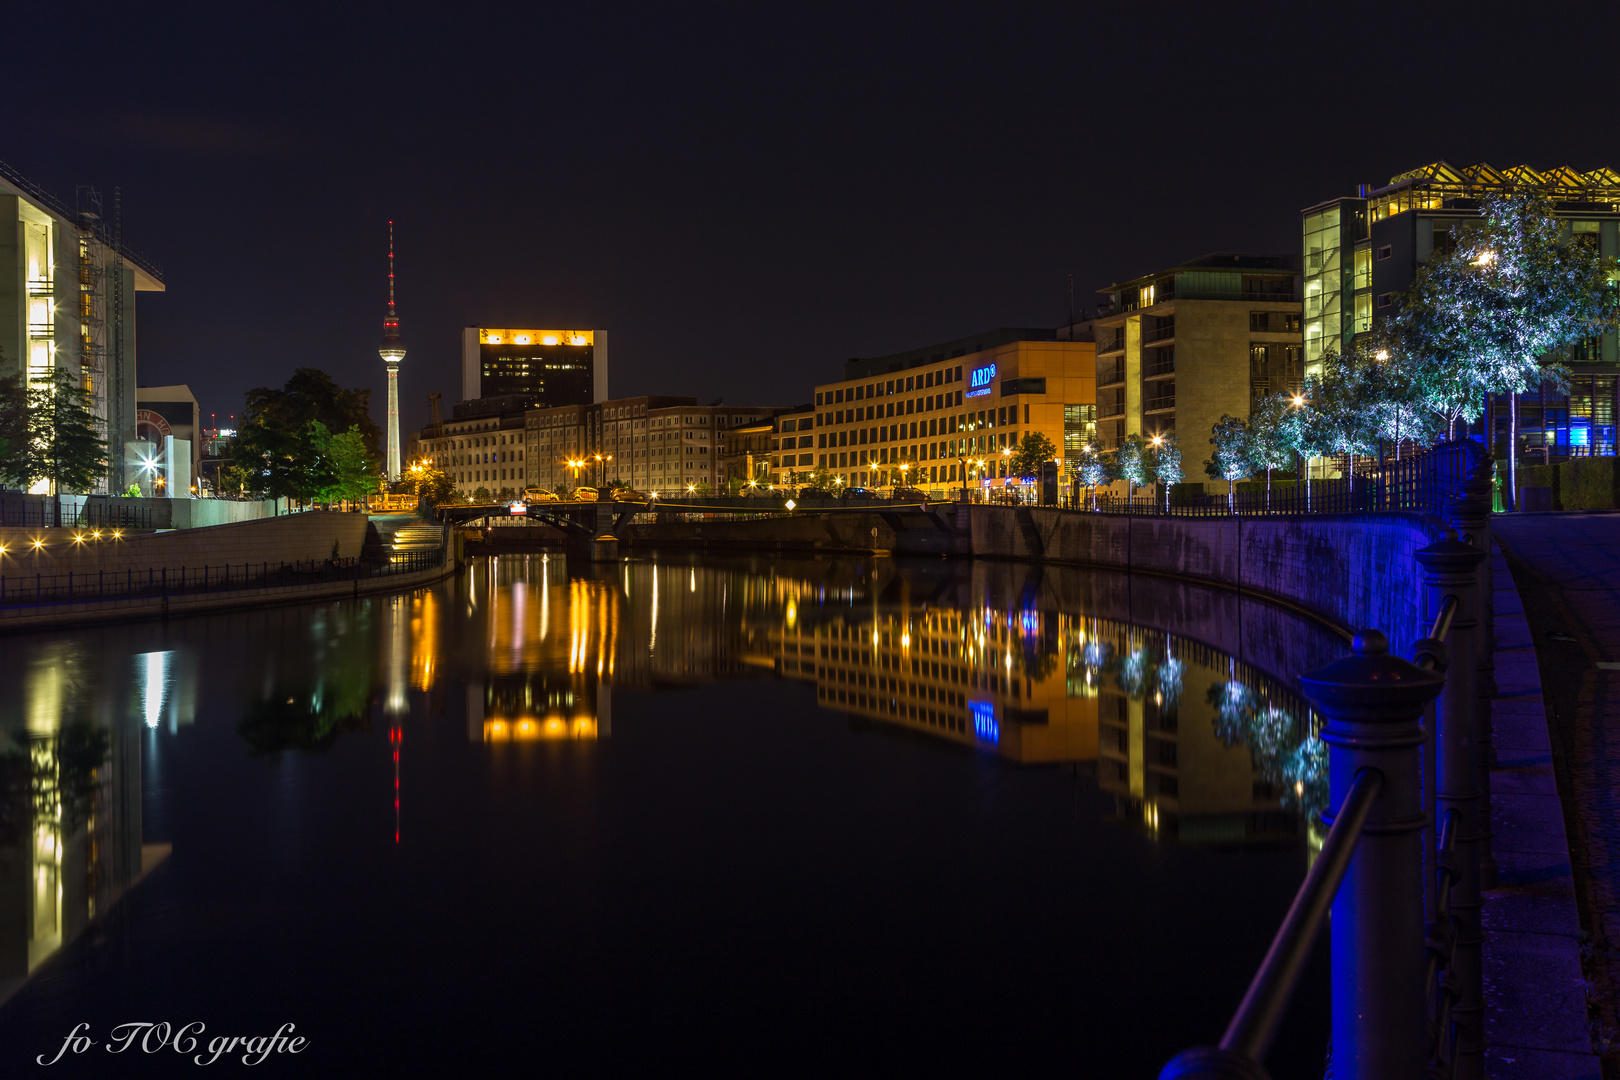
(91, 515)
(41, 589)
(1406, 934)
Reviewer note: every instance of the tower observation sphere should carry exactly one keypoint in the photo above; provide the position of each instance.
(392, 352)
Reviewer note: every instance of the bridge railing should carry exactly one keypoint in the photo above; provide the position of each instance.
(1403, 740)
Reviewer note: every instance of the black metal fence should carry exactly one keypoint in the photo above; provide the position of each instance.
(101, 514)
(42, 589)
(1423, 482)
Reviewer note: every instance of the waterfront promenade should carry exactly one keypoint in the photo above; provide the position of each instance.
(1567, 569)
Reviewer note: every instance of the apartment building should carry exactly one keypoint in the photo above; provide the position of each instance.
(1178, 348)
(952, 415)
(793, 445)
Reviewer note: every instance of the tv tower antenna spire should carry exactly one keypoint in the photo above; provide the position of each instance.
(392, 352)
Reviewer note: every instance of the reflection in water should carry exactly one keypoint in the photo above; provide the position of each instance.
(70, 822)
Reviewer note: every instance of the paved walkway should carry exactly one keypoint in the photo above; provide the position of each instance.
(1567, 571)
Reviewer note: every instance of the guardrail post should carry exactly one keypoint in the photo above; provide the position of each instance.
(1373, 703)
(1450, 569)
(1471, 517)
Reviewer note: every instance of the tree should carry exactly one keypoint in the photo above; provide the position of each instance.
(430, 484)
(1164, 460)
(273, 440)
(1131, 464)
(63, 442)
(1514, 289)
(14, 431)
(1230, 461)
(1346, 400)
(353, 470)
(1270, 441)
(481, 494)
(1034, 450)
(1096, 469)
(1305, 434)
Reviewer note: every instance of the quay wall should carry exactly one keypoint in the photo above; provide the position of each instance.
(1356, 571)
(316, 535)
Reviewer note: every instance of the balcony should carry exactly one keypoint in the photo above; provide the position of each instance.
(1159, 403)
(1159, 363)
(1111, 344)
(1111, 375)
(1160, 333)
(1110, 412)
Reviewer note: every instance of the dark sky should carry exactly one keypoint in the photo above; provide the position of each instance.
(744, 196)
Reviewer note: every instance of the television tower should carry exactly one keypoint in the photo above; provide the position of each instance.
(392, 352)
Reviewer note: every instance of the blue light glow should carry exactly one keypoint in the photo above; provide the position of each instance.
(979, 380)
(984, 720)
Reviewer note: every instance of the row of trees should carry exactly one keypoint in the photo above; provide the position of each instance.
(1137, 461)
(1481, 319)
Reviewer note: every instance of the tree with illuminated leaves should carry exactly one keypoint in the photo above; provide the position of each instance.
(1230, 460)
(1345, 399)
(1131, 463)
(1164, 460)
(1096, 469)
(1483, 318)
(1270, 441)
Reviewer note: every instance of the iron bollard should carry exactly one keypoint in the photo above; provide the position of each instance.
(1373, 703)
(1450, 569)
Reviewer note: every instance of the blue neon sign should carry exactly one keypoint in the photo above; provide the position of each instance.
(979, 380)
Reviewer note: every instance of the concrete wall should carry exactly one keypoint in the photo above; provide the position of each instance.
(289, 538)
(1356, 572)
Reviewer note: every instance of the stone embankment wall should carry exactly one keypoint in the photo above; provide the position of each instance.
(1355, 571)
(291, 538)
(905, 532)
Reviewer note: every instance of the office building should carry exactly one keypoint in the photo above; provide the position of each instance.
(954, 413)
(794, 445)
(746, 454)
(67, 300)
(1178, 348)
(541, 368)
(1361, 252)
(479, 451)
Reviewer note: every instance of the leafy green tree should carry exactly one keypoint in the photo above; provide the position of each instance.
(65, 444)
(274, 443)
(1346, 399)
(13, 430)
(1034, 450)
(354, 472)
(1483, 318)
(1164, 461)
(1230, 460)
(482, 494)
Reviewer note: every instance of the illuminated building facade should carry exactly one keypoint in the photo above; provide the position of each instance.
(1178, 348)
(168, 435)
(536, 368)
(1361, 252)
(955, 413)
(67, 301)
(793, 445)
(480, 452)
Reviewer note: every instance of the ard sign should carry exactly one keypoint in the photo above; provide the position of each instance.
(979, 380)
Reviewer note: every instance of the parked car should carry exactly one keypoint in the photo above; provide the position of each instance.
(625, 494)
(910, 494)
(586, 494)
(539, 495)
(860, 494)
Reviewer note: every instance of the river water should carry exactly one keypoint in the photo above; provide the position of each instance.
(739, 815)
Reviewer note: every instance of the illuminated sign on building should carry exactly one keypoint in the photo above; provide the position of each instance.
(979, 380)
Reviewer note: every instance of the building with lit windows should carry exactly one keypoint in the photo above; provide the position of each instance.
(793, 445)
(1361, 252)
(67, 300)
(747, 453)
(952, 414)
(541, 368)
(1178, 348)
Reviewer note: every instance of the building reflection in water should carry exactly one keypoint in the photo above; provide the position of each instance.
(70, 795)
(1193, 744)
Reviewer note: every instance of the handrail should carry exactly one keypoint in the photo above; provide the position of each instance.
(1438, 632)
(1254, 1025)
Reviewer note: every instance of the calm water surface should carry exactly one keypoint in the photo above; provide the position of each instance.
(748, 815)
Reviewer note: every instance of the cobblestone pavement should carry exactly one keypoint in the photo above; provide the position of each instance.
(1567, 569)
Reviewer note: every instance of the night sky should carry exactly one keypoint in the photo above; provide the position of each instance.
(743, 196)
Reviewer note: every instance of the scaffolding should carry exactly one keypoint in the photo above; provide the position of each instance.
(91, 308)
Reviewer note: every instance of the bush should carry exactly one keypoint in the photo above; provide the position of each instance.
(1541, 476)
(1588, 484)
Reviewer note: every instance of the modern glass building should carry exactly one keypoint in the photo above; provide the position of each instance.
(1361, 252)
